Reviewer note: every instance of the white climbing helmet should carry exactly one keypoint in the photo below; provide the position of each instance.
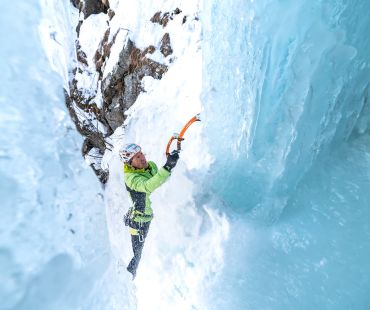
(128, 151)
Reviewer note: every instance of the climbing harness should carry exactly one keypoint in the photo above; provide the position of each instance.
(132, 214)
(138, 226)
(179, 137)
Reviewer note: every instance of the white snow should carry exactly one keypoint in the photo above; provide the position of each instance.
(56, 34)
(120, 41)
(184, 249)
(91, 34)
(184, 246)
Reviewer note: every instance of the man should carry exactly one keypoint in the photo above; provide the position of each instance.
(142, 177)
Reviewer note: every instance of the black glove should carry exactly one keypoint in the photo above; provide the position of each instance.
(171, 161)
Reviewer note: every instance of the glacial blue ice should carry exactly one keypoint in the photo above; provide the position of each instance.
(54, 247)
(286, 86)
(286, 113)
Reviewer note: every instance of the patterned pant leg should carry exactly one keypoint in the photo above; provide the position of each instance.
(137, 248)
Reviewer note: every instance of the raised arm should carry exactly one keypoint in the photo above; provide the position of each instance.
(141, 184)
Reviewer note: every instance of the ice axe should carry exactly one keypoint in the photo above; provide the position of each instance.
(179, 137)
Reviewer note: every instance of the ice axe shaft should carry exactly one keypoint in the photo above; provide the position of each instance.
(180, 137)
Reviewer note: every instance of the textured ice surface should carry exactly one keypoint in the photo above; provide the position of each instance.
(54, 248)
(286, 116)
(286, 87)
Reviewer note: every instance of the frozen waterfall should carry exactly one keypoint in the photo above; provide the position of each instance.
(268, 207)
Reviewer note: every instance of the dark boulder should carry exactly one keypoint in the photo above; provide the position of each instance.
(94, 7)
(166, 48)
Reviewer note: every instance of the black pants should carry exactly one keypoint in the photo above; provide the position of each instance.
(137, 247)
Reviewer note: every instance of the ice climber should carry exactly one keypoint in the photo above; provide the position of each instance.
(142, 177)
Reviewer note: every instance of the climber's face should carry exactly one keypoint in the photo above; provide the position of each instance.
(139, 161)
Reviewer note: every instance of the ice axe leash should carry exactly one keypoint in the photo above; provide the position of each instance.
(179, 137)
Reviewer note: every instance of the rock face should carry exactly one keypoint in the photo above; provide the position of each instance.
(94, 7)
(97, 117)
(166, 48)
(94, 140)
(122, 86)
(164, 18)
(89, 7)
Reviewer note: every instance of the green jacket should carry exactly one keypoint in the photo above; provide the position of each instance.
(140, 183)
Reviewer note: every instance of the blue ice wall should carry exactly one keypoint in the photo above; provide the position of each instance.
(284, 82)
(53, 240)
(287, 121)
